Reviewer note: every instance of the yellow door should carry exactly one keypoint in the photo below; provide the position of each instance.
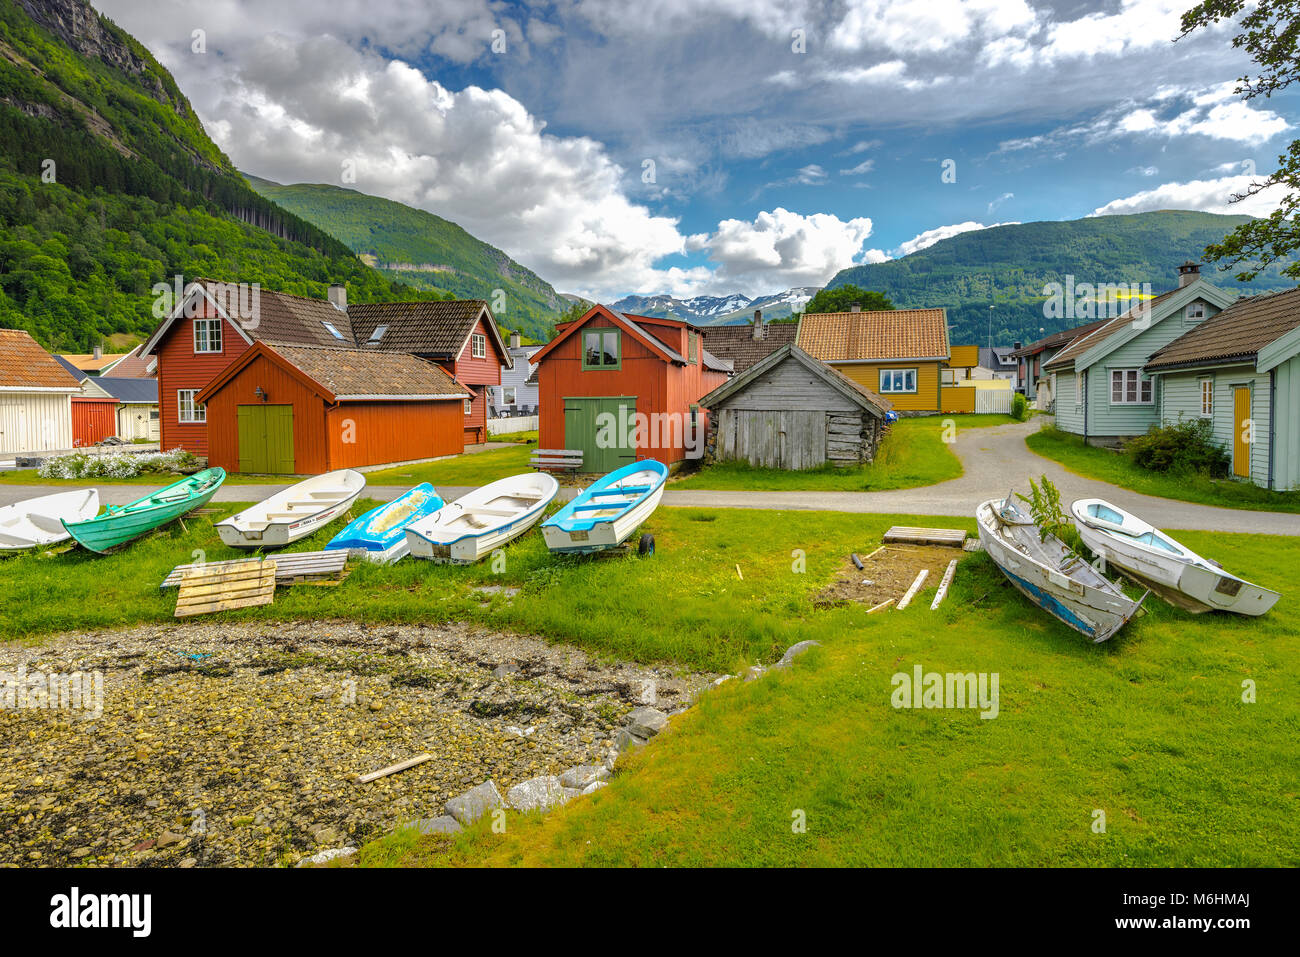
(1244, 437)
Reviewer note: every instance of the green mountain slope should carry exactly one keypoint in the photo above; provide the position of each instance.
(1008, 266)
(108, 185)
(423, 250)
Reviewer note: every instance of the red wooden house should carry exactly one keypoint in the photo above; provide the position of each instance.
(620, 388)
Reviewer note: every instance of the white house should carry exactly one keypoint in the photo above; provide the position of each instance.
(35, 396)
(518, 389)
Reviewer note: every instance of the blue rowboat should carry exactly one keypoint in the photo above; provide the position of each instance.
(120, 524)
(380, 534)
(605, 515)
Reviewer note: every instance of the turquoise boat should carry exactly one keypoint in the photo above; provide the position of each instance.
(119, 524)
(380, 535)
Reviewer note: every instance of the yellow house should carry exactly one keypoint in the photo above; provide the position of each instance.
(900, 354)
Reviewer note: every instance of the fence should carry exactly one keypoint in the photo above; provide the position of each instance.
(993, 400)
(517, 423)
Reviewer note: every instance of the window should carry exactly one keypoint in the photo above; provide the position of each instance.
(693, 347)
(1207, 398)
(469, 406)
(187, 410)
(207, 335)
(1078, 388)
(478, 346)
(1128, 387)
(378, 333)
(332, 330)
(897, 380)
(508, 395)
(949, 376)
(601, 349)
(1195, 311)
(695, 416)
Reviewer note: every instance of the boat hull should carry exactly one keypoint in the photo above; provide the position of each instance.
(602, 535)
(1096, 609)
(38, 522)
(433, 539)
(380, 534)
(238, 533)
(120, 526)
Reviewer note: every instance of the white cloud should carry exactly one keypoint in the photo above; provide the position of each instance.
(780, 248)
(1207, 195)
(866, 166)
(927, 26)
(931, 236)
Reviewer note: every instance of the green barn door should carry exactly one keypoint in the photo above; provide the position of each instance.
(266, 439)
(602, 429)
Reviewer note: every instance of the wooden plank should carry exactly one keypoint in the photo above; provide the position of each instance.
(881, 607)
(394, 768)
(942, 593)
(916, 587)
(874, 554)
(205, 589)
(291, 568)
(955, 537)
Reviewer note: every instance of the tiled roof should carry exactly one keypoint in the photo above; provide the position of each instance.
(792, 353)
(133, 366)
(737, 343)
(350, 372)
(1059, 338)
(1065, 358)
(25, 365)
(437, 329)
(1238, 332)
(889, 334)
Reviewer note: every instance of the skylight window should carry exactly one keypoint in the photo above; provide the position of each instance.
(378, 333)
(333, 332)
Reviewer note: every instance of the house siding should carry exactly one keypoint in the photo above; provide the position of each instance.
(478, 374)
(926, 397)
(180, 367)
(525, 392)
(35, 421)
(1182, 402)
(1286, 437)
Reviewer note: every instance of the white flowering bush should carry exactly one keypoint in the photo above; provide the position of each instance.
(115, 464)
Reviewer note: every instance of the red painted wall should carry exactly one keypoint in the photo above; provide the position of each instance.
(93, 420)
(179, 367)
(477, 372)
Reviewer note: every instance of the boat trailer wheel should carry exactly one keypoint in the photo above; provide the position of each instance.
(646, 545)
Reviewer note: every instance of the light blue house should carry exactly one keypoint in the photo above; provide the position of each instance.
(517, 393)
(1100, 385)
(1240, 371)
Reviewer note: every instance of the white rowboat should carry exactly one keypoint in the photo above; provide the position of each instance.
(38, 522)
(606, 514)
(1171, 570)
(294, 513)
(1050, 575)
(481, 521)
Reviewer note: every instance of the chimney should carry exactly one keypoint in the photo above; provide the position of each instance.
(99, 351)
(1188, 273)
(338, 296)
(855, 307)
(1015, 346)
(514, 340)
(760, 329)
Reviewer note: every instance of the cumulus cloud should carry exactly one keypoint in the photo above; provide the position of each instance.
(931, 236)
(1207, 195)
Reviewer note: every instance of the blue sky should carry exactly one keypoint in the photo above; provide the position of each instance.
(717, 146)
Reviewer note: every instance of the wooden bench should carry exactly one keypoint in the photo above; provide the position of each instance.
(552, 459)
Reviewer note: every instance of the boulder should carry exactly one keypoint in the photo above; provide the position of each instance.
(474, 803)
(582, 776)
(595, 786)
(537, 794)
(646, 722)
(437, 825)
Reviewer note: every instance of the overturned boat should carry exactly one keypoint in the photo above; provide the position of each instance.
(380, 535)
(1170, 569)
(1049, 574)
(38, 522)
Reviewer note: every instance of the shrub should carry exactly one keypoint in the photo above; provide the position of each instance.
(1184, 447)
(1019, 407)
(116, 464)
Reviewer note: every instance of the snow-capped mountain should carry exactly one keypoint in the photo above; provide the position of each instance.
(718, 310)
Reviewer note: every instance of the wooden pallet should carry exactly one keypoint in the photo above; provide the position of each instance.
(220, 586)
(956, 537)
(295, 568)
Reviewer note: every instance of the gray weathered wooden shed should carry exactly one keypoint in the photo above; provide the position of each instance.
(793, 411)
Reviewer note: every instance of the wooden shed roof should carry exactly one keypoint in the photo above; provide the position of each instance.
(863, 397)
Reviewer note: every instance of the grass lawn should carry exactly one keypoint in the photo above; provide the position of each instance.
(912, 454)
(1149, 728)
(1118, 469)
(475, 468)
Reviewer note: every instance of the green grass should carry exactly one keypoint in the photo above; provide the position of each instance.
(1148, 727)
(475, 468)
(912, 454)
(1118, 469)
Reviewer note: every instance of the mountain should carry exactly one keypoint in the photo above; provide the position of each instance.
(424, 251)
(1008, 266)
(717, 310)
(109, 185)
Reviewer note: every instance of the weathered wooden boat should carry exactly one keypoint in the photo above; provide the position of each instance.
(38, 522)
(1049, 574)
(483, 520)
(606, 514)
(293, 513)
(380, 534)
(1170, 569)
(120, 524)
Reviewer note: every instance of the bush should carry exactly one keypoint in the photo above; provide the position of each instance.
(1180, 448)
(117, 464)
(1019, 407)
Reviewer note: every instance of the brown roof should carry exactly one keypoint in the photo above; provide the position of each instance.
(437, 329)
(887, 334)
(1064, 337)
(297, 320)
(355, 372)
(1111, 327)
(133, 367)
(790, 352)
(737, 343)
(1236, 333)
(25, 365)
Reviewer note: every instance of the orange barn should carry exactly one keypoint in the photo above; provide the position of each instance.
(311, 409)
(619, 388)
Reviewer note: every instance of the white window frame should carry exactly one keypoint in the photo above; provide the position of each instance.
(1078, 388)
(197, 411)
(887, 378)
(211, 329)
(1199, 307)
(1207, 397)
(509, 395)
(1131, 381)
(478, 345)
(469, 406)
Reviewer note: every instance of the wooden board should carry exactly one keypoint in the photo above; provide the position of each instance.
(220, 586)
(295, 568)
(956, 537)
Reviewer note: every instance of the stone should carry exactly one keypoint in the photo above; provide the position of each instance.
(324, 857)
(647, 722)
(474, 803)
(722, 680)
(645, 691)
(595, 786)
(626, 739)
(794, 651)
(437, 825)
(582, 776)
(754, 672)
(537, 794)
(168, 839)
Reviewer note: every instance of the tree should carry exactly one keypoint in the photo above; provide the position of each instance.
(1271, 35)
(844, 298)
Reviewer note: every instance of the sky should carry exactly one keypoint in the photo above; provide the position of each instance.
(712, 147)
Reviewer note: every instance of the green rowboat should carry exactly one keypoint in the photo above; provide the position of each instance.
(119, 524)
